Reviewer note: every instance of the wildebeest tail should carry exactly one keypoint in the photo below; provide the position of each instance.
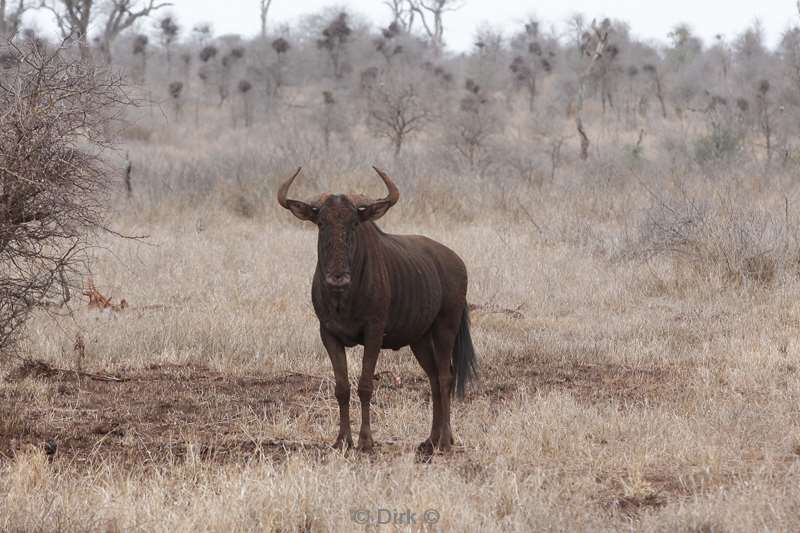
(465, 361)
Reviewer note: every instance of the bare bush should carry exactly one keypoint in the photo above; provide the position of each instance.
(531, 63)
(168, 26)
(175, 90)
(11, 16)
(431, 14)
(55, 124)
(139, 49)
(277, 69)
(726, 131)
(334, 40)
(74, 18)
(721, 235)
(470, 128)
(398, 109)
(228, 63)
(244, 87)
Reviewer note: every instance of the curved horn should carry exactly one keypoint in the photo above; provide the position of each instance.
(284, 190)
(394, 193)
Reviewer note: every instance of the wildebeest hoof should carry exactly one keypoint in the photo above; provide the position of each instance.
(343, 443)
(443, 443)
(425, 451)
(365, 444)
(425, 447)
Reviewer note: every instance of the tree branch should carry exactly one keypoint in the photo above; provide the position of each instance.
(601, 36)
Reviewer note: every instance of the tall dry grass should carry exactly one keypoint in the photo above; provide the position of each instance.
(646, 378)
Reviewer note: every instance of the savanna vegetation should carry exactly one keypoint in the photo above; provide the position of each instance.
(627, 210)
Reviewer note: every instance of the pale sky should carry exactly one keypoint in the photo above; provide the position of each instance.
(648, 19)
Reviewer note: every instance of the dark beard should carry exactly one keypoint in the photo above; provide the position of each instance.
(338, 299)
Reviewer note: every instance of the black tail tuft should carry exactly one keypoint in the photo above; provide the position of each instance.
(465, 361)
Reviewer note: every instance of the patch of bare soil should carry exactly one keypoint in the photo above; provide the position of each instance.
(633, 505)
(162, 413)
(588, 382)
(168, 413)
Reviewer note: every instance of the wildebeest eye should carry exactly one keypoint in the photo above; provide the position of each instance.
(315, 209)
(362, 209)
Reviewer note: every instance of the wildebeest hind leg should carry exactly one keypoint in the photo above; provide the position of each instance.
(426, 356)
(444, 337)
(338, 357)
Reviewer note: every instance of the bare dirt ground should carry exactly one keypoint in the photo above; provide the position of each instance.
(145, 415)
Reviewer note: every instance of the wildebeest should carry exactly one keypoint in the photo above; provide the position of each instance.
(379, 290)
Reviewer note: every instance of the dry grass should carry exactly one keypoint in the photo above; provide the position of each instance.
(616, 392)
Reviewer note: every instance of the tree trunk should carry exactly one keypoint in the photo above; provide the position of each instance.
(3, 21)
(86, 51)
(531, 93)
(584, 139)
(602, 41)
(105, 50)
(660, 97)
(264, 12)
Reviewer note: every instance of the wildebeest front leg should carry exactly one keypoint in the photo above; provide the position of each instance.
(372, 347)
(339, 361)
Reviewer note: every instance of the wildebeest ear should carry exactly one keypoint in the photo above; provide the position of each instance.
(374, 210)
(302, 210)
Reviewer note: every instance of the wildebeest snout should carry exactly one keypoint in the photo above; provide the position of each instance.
(338, 281)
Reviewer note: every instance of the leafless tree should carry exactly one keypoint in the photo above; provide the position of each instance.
(431, 14)
(328, 117)
(576, 27)
(334, 40)
(397, 110)
(175, 90)
(139, 49)
(472, 126)
(723, 50)
(685, 45)
(386, 43)
(208, 68)
(277, 70)
(652, 71)
(73, 18)
(765, 119)
(245, 91)
(402, 13)
(264, 6)
(52, 176)
(121, 15)
(534, 61)
(227, 64)
(604, 67)
(594, 46)
(169, 34)
(11, 12)
(202, 33)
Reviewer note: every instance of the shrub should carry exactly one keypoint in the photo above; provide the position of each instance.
(726, 131)
(722, 236)
(53, 130)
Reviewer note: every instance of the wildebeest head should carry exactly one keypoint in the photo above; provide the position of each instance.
(338, 216)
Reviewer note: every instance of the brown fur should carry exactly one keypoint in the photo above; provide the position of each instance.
(379, 290)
